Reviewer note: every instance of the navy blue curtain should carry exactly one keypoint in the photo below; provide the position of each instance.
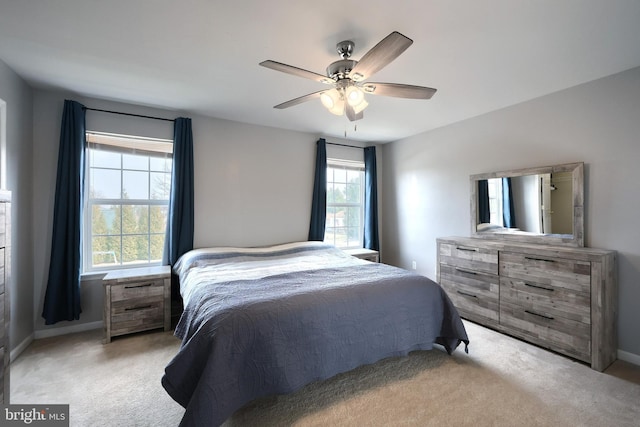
(179, 238)
(319, 202)
(508, 213)
(371, 239)
(484, 214)
(62, 298)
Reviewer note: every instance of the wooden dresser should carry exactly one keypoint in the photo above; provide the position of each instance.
(5, 276)
(561, 298)
(136, 300)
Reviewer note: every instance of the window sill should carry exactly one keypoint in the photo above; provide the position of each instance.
(99, 275)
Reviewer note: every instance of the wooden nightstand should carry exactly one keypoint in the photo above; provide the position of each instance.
(366, 254)
(136, 300)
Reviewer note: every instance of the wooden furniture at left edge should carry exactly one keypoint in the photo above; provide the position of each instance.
(136, 300)
(5, 280)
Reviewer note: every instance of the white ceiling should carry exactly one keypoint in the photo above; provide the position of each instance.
(201, 56)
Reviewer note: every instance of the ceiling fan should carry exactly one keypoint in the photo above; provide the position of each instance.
(347, 78)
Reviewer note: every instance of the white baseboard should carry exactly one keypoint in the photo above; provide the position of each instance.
(20, 348)
(629, 357)
(64, 330)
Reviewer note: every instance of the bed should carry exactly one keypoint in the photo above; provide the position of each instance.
(263, 321)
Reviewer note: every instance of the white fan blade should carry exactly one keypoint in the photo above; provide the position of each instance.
(299, 100)
(399, 90)
(290, 69)
(380, 56)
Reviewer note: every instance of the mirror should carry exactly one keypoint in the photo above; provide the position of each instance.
(536, 205)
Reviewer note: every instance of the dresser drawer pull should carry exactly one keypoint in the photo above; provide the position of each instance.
(142, 307)
(462, 270)
(539, 259)
(467, 294)
(538, 287)
(461, 248)
(146, 285)
(539, 315)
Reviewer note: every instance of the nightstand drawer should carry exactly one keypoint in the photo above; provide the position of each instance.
(136, 316)
(135, 290)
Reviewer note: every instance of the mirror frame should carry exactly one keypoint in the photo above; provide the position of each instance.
(575, 239)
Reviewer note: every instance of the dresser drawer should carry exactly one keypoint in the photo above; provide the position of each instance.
(547, 270)
(551, 300)
(2, 272)
(470, 257)
(3, 224)
(2, 319)
(474, 294)
(540, 327)
(2, 376)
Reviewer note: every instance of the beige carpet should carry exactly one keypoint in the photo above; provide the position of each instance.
(501, 382)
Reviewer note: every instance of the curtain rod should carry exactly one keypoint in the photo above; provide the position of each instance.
(345, 145)
(129, 114)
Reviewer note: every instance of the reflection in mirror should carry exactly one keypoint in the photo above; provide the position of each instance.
(537, 205)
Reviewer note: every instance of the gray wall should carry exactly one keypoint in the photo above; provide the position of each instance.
(426, 177)
(424, 191)
(19, 162)
(253, 184)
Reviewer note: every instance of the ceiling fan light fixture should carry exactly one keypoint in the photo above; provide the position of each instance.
(360, 107)
(333, 101)
(354, 95)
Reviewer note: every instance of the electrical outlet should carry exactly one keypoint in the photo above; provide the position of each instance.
(414, 265)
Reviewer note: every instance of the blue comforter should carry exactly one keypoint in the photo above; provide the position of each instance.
(274, 333)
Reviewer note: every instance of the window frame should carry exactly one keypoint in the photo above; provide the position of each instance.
(348, 165)
(89, 203)
(495, 201)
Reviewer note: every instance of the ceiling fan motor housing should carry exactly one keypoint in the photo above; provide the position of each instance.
(340, 69)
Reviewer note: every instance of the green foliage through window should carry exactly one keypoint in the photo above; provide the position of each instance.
(344, 206)
(127, 207)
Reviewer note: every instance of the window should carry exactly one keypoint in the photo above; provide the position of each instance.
(495, 200)
(128, 184)
(345, 203)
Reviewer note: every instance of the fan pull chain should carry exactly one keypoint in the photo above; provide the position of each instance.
(355, 129)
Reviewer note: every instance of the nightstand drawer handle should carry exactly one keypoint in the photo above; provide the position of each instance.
(146, 285)
(143, 307)
(462, 270)
(467, 294)
(531, 285)
(539, 259)
(461, 248)
(544, 316)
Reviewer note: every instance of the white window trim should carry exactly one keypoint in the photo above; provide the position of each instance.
(353, 165)
(87, 270)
